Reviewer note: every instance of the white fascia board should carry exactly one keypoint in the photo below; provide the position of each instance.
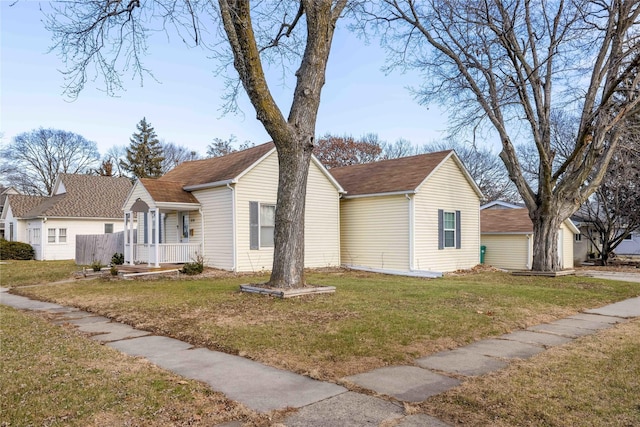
(327, 174)
(210, 185)
(391, 193)
(174, 206)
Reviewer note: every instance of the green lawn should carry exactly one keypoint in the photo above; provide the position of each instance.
(21, 273)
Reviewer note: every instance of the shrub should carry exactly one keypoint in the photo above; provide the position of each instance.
(96, 265)
(16, 250)
(113, 270)
(117, 259)
(195, 267)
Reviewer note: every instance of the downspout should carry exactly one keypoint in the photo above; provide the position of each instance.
(528, 265)
(411, 240)
(233, 226)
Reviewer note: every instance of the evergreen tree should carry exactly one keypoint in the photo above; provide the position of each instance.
(144, 154)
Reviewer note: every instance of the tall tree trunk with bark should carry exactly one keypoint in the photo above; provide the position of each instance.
(293, 137)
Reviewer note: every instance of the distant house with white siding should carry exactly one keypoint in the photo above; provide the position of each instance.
(413, 215)
(223, 209)
(508, 237)
(78, 204)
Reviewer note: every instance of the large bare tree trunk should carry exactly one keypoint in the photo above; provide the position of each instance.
(545, 241)
(288, 260)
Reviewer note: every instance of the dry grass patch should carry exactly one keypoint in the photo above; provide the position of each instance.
(20, 273)
(53, 376)
(593, 381)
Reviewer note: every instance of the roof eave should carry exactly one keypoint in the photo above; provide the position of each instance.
(210, 185)
(390, 193)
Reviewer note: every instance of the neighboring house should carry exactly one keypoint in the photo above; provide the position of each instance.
(508, 237)
(4, 192)
(629, 246)
(586, 250)
(499, 204)
(78, 204)
(223, 209)
(413, 215)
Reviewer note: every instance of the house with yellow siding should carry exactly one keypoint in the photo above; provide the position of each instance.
(507, 234)
(223, 209)
(416, 215)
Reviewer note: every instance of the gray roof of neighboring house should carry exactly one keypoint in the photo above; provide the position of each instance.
(85, 196)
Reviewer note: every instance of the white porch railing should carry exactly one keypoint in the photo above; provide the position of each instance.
(169, 253)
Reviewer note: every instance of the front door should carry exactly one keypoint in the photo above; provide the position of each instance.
(184, 227)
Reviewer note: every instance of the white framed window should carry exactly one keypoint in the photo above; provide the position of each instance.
(51, 235)
(629, 237)
(62, 235)
(262, 219)
(449, 229)
(108, 228)
(36, 236)
(578, 237)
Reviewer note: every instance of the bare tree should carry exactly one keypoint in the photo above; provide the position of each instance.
(222, 147)
(33, 160)
(511, 63)
(335, 151)
(613, 212)
(175, 154)
(104, 35)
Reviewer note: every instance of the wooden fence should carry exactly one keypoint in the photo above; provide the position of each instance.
(98, 247)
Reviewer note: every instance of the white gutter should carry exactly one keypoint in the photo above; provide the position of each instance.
(210, 185)
(233, 226)
(391, 193)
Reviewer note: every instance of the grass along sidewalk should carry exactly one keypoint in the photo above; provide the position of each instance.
(52, 376)
(22, 273)
(594, 381)
(372, 321)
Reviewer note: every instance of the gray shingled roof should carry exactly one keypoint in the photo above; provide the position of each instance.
(86, 196)
(21, 204)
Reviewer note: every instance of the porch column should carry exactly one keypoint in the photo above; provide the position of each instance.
(128, 230)
(155, 216)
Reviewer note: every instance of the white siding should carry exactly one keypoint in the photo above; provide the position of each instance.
(138, 192)
(74, 226)
(322, 217)
(218, 226)
(567, 246)
(322, 221)
(446, 189)
(375, 232)
(258, 185)
(508, 251)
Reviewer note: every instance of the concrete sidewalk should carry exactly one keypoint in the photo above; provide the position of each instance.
(264, 388)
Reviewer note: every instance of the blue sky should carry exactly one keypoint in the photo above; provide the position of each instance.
(184, 105)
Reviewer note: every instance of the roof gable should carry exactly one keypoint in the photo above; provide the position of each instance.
(216, 169)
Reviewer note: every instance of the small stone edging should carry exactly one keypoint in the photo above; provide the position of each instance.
(288, 293)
